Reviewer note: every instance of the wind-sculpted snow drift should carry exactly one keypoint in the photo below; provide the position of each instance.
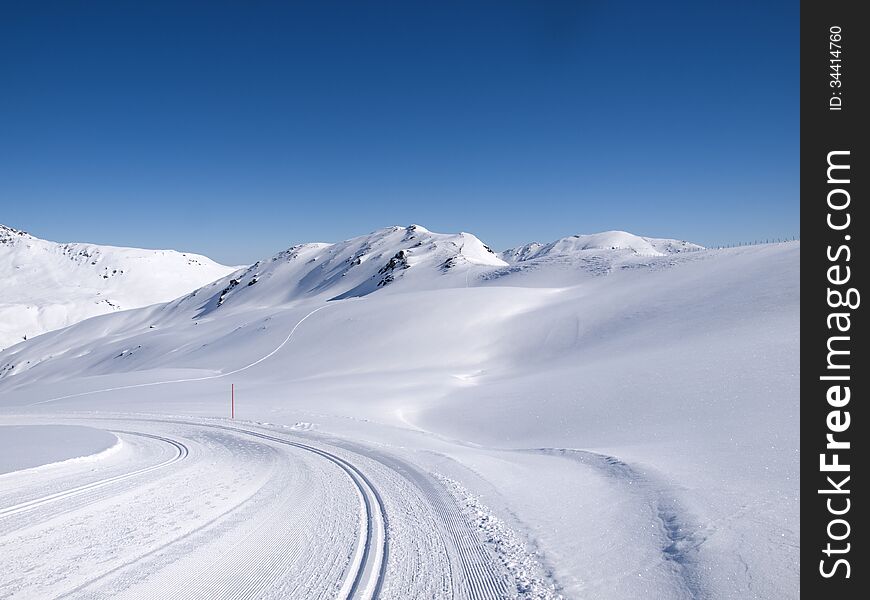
(574, 418)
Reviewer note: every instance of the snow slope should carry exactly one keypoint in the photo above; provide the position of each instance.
(30, 446)
(48, 285)
(597, 422)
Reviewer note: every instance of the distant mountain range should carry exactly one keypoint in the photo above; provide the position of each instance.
(55, 285)
(49, 285)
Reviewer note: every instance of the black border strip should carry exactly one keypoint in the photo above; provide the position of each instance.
(833, 220)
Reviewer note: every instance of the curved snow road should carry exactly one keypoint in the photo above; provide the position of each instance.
(251, 515)
(199, 509)
(366, 576)
(181, 454)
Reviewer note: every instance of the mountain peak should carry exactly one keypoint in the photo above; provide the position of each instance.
(10, 234)
(391, 257)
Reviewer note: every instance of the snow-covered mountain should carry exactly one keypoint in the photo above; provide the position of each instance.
(597, 243)
(599, 394)
(388, 261)
(49, 285)
(412, 258)
(395, 257)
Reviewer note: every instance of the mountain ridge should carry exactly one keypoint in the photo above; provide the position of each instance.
(391, 258)
(50, 285)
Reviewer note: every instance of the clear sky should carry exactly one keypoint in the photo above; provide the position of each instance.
(237, 128)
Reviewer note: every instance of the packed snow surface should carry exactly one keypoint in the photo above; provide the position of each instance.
(28, 446)
(48, 286)
(416, 416)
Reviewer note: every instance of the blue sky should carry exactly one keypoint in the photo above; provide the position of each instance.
(237, 128)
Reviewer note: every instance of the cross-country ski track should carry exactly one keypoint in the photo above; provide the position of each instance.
(226, 511)
(197, 508)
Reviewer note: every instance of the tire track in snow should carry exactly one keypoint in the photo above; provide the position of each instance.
(182, 452)
(188, 379)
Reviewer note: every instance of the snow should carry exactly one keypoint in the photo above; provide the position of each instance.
(532, 582)
(29, 446)
(607, 240)
(605, 416)
(48, 285)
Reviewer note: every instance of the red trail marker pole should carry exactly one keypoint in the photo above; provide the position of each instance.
(232, 400)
